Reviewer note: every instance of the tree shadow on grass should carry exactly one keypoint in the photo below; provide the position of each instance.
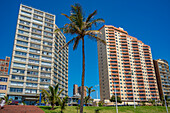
(48, 108)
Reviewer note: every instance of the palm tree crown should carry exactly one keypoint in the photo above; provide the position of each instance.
(80, 26)
(53, 95)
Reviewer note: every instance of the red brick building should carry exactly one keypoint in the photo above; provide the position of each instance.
(4, 65)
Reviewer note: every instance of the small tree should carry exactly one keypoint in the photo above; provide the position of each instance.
(112, 99)
(89, 90)
(62, 103)
(53, 95)
(100, 103)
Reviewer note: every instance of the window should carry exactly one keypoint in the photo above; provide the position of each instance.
(24, 27)
(19, 65)
(22, 43)
(17, 77)
(37, 26)
(37, 21)
(24, 22)
(2, 87)
(25, 8)
(23, 32)
(38, 17)
(21, 48)
(38, 12)
(20, 53)
(16, 90)
(24, 17)
(17, 83)
(49, 16)
(22, 37)
(2, 79)
(18, 71)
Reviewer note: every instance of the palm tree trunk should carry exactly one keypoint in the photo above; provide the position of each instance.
(82, 81)
(52, 107)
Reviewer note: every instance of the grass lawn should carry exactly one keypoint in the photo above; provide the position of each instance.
(122, 109)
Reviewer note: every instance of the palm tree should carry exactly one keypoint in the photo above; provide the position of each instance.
(62, 103)
(89, 91)
(53, 95)
(81, 27)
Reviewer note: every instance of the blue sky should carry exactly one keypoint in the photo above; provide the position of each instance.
(147, 20)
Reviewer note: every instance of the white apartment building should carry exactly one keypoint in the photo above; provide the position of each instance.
(125, 67)
(36, 63)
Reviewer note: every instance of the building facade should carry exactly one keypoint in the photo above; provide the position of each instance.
(36, 62)
(125, 67)
(4, 65)
(78, 90)
(163, 77)
(4, 80)
(75, 89)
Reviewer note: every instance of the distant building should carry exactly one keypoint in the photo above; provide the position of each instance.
(78, 90)
(4, 65)
(162, 76)
(4, 80)
(75, 89)
(125, 67)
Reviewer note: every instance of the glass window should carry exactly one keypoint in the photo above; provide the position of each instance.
(2, 87)
(20, 53)
(25, 13)
(21, 48)
(17, 90)
(38, 17)
(22, 37)
(24, 17)
(37, 21)
(18, 71)
(35, 35)
(17, 77)
(25, 8)
(24, 22)
(38, 12)
(2, 79)
(37, 26)
(23, 32)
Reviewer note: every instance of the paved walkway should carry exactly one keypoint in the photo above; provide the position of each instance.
(20, 109)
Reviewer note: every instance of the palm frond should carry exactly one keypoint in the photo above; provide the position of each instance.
(59, 93)
(94, 22)
(92, 90)
(76, 42)
(93, 32)
(56, 89)
(97, 38)
(48, 95)
(91, 15)
(51, 90)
